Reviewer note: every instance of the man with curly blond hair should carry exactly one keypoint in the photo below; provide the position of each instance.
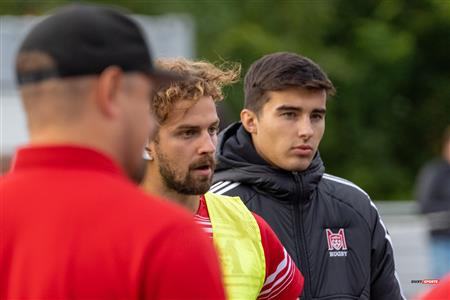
(180, 167)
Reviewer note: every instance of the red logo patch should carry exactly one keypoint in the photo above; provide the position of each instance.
(336, 241)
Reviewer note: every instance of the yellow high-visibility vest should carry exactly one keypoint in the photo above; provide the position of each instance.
(237, 239)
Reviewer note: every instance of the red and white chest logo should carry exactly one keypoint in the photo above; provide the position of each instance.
(336, 241)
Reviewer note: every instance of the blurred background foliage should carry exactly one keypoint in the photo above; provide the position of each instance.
(389, 60)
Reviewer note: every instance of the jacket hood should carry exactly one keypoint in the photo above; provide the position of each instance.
(237, 160)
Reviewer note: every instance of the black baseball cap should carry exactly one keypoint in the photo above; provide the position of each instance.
(85, 40)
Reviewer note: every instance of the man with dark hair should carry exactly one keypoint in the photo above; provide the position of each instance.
(73, 226)
(271, 161)
(180, 167)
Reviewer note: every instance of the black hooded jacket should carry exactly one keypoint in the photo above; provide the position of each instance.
(329, 226)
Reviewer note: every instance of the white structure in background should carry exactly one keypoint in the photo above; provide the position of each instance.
(169, 36)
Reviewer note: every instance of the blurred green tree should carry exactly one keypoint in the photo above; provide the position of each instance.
(388, 59)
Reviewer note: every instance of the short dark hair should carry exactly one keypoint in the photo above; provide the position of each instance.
(279, 71)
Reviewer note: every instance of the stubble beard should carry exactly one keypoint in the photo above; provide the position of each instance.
(188, 185)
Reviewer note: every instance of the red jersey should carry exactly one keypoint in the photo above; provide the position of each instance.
(73, 226)
(283, 280)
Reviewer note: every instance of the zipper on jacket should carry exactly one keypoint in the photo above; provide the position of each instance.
(300, 243)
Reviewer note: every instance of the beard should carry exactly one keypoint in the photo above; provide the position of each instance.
(187, 184)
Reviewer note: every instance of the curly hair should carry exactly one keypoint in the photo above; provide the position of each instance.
(201, 79)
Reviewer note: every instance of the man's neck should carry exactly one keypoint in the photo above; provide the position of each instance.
(191, 202)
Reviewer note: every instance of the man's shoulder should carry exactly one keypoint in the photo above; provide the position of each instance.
(346, 192)
(159, 209)
(132, 204)
(150, 217)
(233, 203)
(342, 187)
(97, 197)
(233, 189)
(436, 168)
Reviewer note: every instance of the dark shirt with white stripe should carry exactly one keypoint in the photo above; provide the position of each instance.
(328, 225)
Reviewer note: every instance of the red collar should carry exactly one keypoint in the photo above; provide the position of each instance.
(202, 208)
(63, 156)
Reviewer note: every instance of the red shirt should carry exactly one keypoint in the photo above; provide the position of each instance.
(283, 280)
(73, 226)
(438, 292)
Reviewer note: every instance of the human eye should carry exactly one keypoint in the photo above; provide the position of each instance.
(213, 130)
(289, 115)
(317, 116)
(188, 133)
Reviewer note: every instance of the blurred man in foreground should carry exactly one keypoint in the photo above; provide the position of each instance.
(72, 224)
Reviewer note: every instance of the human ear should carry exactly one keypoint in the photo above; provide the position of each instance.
(150, 150)
(148, 153)
(109, 87)
(249, 121)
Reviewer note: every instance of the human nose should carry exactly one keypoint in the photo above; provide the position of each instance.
(305, 128)
(208, 143)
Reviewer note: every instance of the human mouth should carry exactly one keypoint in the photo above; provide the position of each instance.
(203, 168)
(203, 171)
(302, 150)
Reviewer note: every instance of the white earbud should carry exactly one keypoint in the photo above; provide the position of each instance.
(146, 154)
